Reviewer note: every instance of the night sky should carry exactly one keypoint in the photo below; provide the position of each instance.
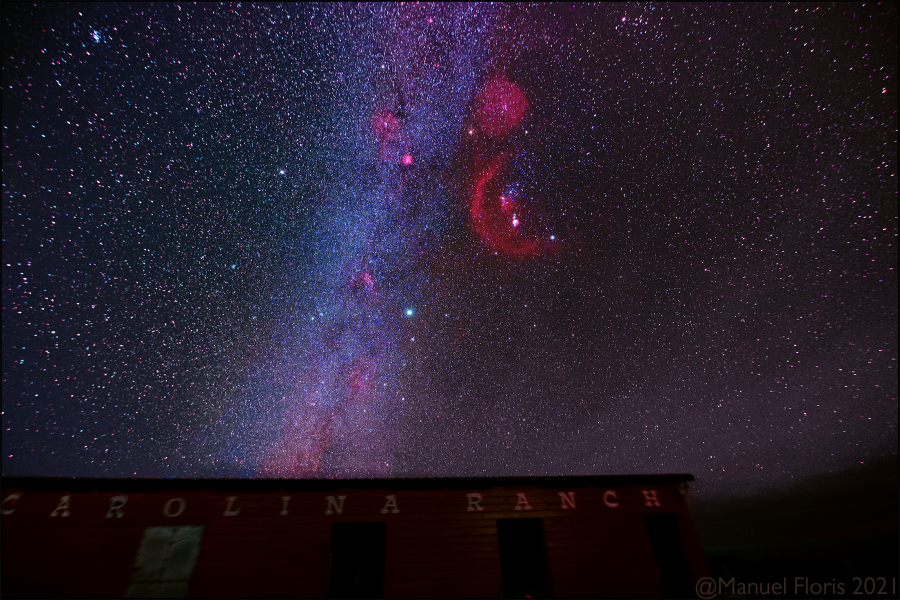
(450, 240)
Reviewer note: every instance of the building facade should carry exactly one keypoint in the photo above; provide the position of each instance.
(600, 536)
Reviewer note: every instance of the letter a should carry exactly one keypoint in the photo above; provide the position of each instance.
(390, 504)
(63, 506)
(522, 504)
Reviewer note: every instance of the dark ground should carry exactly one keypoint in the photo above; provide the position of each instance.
(840, 529)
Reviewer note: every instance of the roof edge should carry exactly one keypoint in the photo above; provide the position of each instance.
(324, 484)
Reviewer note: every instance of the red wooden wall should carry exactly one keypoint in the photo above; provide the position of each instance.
(435, 545)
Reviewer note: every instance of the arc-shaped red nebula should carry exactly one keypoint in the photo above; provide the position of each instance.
(498, 220)
(501, 221)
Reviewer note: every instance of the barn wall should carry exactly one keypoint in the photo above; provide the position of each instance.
(440, 542)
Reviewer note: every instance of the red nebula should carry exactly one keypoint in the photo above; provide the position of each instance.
(389, 131)
(386, 126)
(496, 220)
(500, 107)
(305, 437)
(363, 281)
(362, 383)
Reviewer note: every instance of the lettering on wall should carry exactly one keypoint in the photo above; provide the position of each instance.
(335, 506)
(229, 511)
(115, 507)
(651, 498)
(567, 499)
(610, 498)
(12, 498)
(391, 503)
(522, 503)
(174, 507)
(474, 502)
(62, 509)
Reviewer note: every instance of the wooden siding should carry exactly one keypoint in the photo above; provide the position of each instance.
(439, 544)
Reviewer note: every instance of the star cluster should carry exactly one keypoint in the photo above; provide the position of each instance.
(324, 240)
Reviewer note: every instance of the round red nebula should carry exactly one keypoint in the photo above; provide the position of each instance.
(500, 107)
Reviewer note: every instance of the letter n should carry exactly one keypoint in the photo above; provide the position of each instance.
(335, 506)
(567, 500)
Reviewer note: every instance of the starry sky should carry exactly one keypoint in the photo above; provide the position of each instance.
(399, 240)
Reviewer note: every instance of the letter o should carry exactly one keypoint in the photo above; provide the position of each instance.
(167, 509)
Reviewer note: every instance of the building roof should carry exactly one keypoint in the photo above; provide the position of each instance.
(315, 485)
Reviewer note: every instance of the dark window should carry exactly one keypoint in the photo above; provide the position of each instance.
(357, 560)
(670, 555)
(523, 558)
